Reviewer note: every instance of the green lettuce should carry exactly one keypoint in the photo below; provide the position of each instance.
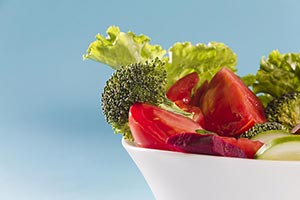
(277, 75)
(249, 79)
(206, 60)
(120, 48)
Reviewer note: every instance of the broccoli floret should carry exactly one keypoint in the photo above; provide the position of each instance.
(285, 109)
(142, 82)
(258, 128)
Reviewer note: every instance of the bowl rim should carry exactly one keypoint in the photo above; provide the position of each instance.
(132, 146)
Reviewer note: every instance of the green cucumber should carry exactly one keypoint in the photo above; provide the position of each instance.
(282, 148)
(266, 136)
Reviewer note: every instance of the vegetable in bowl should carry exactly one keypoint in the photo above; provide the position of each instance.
(154, 96)
(285, 109)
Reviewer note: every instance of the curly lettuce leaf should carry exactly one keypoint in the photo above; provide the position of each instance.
(249, 79)
(120, 48)
(277, 75)
(206, 60)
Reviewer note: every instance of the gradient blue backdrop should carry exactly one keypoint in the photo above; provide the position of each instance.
(54, 141)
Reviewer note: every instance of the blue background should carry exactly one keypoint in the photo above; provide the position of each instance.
(54, 141)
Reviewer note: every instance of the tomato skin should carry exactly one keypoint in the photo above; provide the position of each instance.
(229, 106)
(181, 93)
(183, 88)
(195, 100)
(197, 113)
(248, 146)
(151, 125)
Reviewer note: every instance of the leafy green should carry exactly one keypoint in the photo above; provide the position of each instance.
(206, 60)
(120, 48)
(205, 132)
(277, 75)
(249, 79)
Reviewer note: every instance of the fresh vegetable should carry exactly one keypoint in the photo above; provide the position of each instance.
(258, 128)
(285, 109)
(140, 82)
(195, 100)
(197, 114)
(120, 49)
(181, 93)
(188, 98)
(206, 60)
(228, 106)
(250, 147)
(151, 125)
(183, 89)
(277, 75)
(131, 82)
(212, 144)
(282, 148)
(296, 129)
(266, 136)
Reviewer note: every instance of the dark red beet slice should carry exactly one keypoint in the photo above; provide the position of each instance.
(208, 144)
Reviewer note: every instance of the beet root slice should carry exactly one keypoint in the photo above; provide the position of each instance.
(207, 144)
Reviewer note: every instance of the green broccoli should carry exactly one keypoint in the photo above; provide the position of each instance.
(285, 109)
(259, 128)
(140, 82)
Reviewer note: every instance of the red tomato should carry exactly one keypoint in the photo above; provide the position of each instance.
(198, 94)
(196, 112)
(229, 106)
(248, 146)
(183, 88)
(151, 125)
(181, 93)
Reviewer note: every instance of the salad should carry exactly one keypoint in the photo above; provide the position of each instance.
(190, 98)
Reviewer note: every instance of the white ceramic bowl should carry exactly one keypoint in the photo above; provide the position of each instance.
(180, 176)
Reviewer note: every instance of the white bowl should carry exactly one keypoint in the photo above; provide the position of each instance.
(174, 175)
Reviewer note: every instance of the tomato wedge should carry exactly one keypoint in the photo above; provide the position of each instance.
(248, 146)
(182, 93)
(229, 106)
(194, 110)
(182, 89)
(151, 125)
(195, 100)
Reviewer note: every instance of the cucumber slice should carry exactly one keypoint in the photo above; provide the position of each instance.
(266, 136)
(282, 148)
